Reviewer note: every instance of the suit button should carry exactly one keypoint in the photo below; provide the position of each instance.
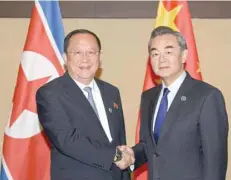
(156, 155)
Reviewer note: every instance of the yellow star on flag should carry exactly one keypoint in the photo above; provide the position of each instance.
(199, 69)
(167, 18)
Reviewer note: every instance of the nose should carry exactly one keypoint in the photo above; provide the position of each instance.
(163, 58)
(85, 56)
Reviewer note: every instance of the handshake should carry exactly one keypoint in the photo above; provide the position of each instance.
(126, 158)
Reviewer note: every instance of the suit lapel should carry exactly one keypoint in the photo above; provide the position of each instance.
(151, 110)
(176, 107)
(77, 97)
(108, 107)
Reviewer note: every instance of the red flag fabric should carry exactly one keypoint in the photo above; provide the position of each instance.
(26, 151)
(174, 14)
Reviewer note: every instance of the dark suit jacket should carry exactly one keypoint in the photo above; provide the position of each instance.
(80, 149)
(193, 139)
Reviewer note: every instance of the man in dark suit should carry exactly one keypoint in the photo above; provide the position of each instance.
(83, 117)
(184, 124)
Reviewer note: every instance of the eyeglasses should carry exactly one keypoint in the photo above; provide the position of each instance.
(89, 54)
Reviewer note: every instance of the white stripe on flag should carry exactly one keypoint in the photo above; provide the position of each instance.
(49, 34)
(6, 169)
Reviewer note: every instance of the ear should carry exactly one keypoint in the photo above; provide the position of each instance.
(65, 58)
(65, 61)
(184, 55)
(100, 61)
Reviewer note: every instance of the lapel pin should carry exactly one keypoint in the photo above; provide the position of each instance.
(110, 110)
(183, 98)
(115, 105)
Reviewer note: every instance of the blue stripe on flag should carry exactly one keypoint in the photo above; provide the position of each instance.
(53, 15)
(3, 174)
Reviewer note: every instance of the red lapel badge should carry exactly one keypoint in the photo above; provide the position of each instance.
(116, 106)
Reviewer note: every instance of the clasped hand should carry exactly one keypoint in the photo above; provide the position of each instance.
(128, 157)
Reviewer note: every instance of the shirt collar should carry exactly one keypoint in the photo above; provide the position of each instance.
(173, 88)
(92, 84)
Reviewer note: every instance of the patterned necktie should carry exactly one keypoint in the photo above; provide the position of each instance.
(91, 100)
(162, 111)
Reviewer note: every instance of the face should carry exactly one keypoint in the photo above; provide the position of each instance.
(82, 58)
(167, 59)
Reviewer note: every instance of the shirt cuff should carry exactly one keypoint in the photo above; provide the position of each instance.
(132, 167)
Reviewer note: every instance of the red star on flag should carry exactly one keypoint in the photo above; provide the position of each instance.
(24, 96)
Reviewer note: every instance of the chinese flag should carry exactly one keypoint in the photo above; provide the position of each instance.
(26, 151)
(176, 15)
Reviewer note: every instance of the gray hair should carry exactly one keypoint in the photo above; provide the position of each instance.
(163, 30)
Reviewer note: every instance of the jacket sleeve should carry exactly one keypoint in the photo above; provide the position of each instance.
(67, 139)
(140, 148)
(126, 174)
(214, 134)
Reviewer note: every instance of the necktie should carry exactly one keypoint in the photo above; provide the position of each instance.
(90, 99)
(162, 111)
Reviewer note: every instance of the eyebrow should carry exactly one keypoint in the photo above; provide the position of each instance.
(167, 47)
(153, 49)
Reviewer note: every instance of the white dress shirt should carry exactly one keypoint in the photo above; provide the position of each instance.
(98, 103)
(173, 88)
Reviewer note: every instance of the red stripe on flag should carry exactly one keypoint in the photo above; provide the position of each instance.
(25, 160)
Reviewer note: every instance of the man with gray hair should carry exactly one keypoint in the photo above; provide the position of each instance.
(184, 124)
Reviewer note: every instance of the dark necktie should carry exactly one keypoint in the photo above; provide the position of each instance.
(162, 111)
(91, 100)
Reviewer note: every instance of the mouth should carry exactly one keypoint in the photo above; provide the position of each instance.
(164, 67)
(85, 67)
